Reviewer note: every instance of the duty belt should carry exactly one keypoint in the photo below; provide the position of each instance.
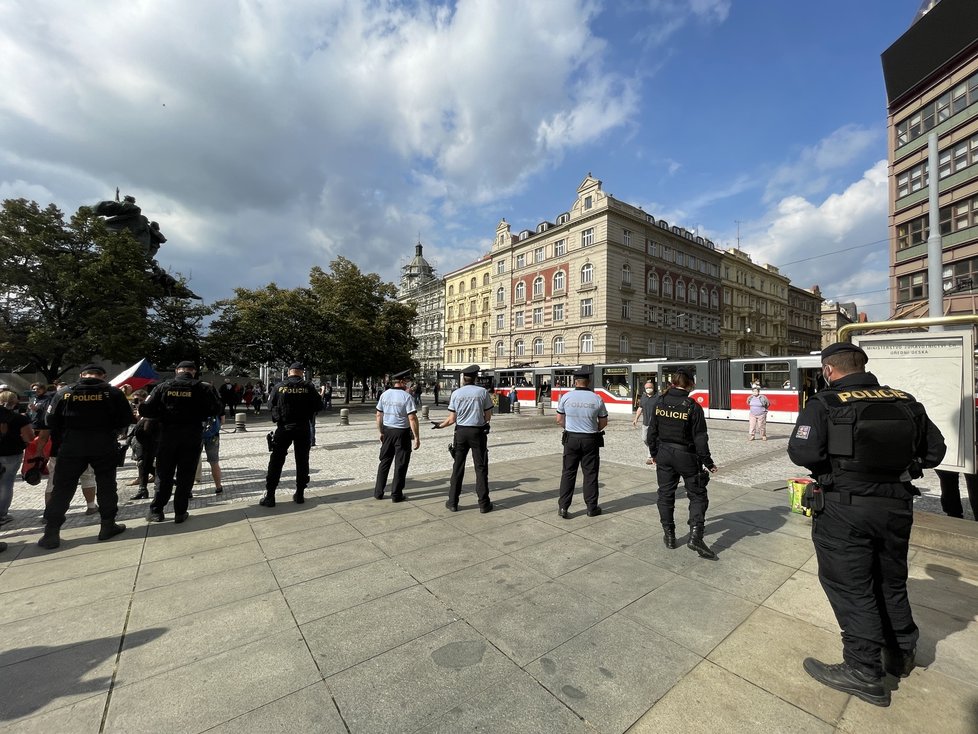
(863, 500)
(683, 446)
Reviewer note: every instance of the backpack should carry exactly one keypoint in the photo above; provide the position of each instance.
(212, 429)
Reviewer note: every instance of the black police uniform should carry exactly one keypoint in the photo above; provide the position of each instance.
(859, 439)
(87, 419)
(180, 405)
(293, 403)
(679, 443)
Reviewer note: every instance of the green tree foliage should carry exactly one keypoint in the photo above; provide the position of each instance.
(73, 291)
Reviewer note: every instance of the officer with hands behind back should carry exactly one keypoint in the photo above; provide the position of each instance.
(397, 422)
(181, 405)
(861, 440)
(680, 446)
(87, 418)
(293, 403)
(470, 409)
(583, 416)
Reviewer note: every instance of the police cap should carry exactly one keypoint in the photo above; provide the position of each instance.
(296, 366)
(93, 368)
(840, 347)
(401, 375)
(187, 365)
(583, 372)
(472, 370)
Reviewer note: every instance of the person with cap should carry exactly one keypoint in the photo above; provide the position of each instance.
(470, 410)
(583, 416)
(293, 404)
(680, 447)
(863, 442)
(757, 407)
(181, 406)
(397, 423)
(88, 417)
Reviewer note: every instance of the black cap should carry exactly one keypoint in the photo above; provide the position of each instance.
(583, 372)
(840, 347)
(401, 375)
(472, 369)
(93, 368)
(296, 366)
(187, 365)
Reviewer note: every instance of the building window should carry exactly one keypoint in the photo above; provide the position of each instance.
(485, 305)
(519, 319)
(560, 248)
(499, 349)
(501, 295)
(558, 345)
(587, 237)
(461, 333)
(538, 287)
(680, 291)
(520, 291)
(538, 255)
(558, 281)
(558, 312)
(451, 312)
(626, 309)
(500, 267)
(652, 248)
(473, 284)
(588, 202)
(451, 290)
(653, 284)
(538, 316)
(587, 344)
(626, 237)
(485, 279)
(499, 322)
(693, 297)
(520, 261)
(520, 348)
(912, 287)
(472, 307)
(704, 296)
(587, 274)
(461, 287)
(714, 299)
(537, 347)
(666, 286)
(626, 275)
(623, 344)
(587, 307)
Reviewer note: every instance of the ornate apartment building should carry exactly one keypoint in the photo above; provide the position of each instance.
(931, 75)
(804, 315)
(604, 282)
(755, 308)
(421, 287)
(467, 314)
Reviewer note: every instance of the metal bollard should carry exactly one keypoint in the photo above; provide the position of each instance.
(425, 411)
(344, 416)
(540, 409)
(516, 406)
(239, 422)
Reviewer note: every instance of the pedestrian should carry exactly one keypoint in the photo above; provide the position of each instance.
(862, 442)
(212, 450)
(226, 391)
(951, 492)
(397, 423)
(181, 406)
(293, 403)
(470, 410)
(145, 444)
(258, 397)
(434, 391)
(758, 405)
(326, 393)
(583, 416)
(680, 447)
(88, 417)
(646, 408)
(15, 434)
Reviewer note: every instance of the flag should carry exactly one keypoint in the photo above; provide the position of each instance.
(137, 376)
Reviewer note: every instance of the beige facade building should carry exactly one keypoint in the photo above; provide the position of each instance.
(804, 319)
(755, 308)
(467, 314)
(931, 75)
(603, 282)
(424, 290)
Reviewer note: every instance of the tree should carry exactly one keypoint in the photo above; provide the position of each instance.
(73, 291)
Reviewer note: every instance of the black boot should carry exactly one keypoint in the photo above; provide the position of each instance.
(50, 540)
(899, 662)
(843, 677)
(142, 494)
(268, 500)
(299, 496)
(696, 543)
(110, 530)
(669, 536)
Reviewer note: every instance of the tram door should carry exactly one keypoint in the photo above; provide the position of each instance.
(641, 375)
(543, 381)
(719, 383)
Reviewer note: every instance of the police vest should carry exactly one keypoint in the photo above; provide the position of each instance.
(674, 417)
(872, 431)
(181, 402)
(295, 402)
(88, 407)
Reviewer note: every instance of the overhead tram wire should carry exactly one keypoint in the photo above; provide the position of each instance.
(834, 252)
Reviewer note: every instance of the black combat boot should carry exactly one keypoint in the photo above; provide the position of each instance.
(669, 536)
(141, 494)
(268, 499)
(299, 496)
(899, 662)
(696, 543)
(843, 677)
(51, 539)
(110, 530)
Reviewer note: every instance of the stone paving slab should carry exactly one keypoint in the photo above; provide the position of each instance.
(348, 614)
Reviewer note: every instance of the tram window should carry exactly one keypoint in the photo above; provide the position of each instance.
(615, 381)
(769, 375)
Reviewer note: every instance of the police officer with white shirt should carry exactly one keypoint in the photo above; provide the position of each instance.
(397, 423)
(470, 410)
(583, 416)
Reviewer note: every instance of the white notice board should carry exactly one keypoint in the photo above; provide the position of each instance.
(939, 370)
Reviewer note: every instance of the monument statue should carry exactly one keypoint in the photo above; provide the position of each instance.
(126, 215)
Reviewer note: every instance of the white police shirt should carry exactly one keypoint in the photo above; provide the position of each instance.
(396, 405)
(469, 403)
(581, 409)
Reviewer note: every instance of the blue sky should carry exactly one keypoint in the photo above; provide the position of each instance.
(270, 137)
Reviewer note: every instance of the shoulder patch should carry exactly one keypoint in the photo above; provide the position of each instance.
(802, 431)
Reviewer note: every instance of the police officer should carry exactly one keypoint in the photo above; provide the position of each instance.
(470, 409)
(293, 404)
(679, 447)
(88, 418)
(860, 440)
(397, 422)
(181, 406)
(583, 416)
